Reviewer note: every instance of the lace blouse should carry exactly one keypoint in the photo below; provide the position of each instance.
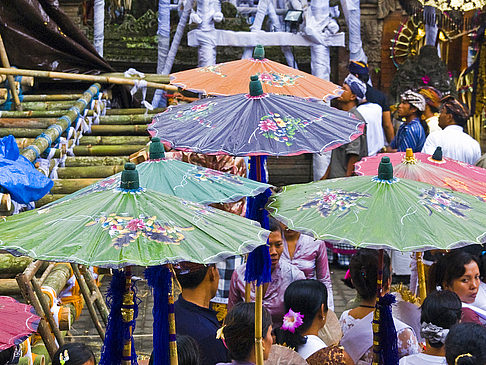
(407, 341)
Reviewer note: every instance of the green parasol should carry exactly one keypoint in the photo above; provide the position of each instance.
(187, 181)
(382, 212)
(129, 226)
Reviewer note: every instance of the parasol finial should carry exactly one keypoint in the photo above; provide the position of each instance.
(129, 177)
(385, 170)
(409, 157)
(259, 52)
(255, 86)
(156, 149)
(437, 156)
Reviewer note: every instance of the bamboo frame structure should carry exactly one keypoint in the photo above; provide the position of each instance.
(53, 132)
(11, 81)
(88, 78)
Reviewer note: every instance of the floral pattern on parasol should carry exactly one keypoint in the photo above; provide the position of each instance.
(281, 128)
(208, 175)
(215, 69)
(442, 201)
(125, 229)
(277, 79)
(196, 113)
(335, 201)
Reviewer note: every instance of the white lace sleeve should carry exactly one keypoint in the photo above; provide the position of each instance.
(407, 343)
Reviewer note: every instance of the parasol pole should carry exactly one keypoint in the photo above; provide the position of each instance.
(258, 325)
(11, 81)
(421, 276)
(258, 296)
(127, 312)
(172, 324)
(376, 314)
(247, 292)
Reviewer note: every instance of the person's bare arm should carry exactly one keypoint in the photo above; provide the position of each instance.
(388, 126)
(350, 168)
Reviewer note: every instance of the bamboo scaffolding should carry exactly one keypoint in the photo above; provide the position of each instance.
(51, 134)
(106, 140)
(109, 124)
(11, 81)
(46, 105)
(100, 304)
(26, 81)
(88, 78)
(49, 198)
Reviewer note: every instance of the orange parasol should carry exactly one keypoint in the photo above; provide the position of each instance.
(231, 78)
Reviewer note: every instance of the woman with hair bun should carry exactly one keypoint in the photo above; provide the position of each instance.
(74, 353)
(440, 311)
(238, 334)
(466, 345)
(458, 271)
(356, 323)
(306, 306)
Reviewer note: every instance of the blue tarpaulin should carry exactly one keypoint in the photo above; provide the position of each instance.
(18, 176)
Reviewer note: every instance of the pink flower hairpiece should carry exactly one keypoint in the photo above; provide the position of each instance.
(292, 320)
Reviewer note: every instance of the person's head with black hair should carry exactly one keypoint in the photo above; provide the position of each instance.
(187, 351)
(275, 241)
(199, 282)
(457, 271)
(74, 353)
(453, 112)
(412, 105)
(466, 345)
(363, 268)
(309, 298)
(239, 332)
(439, 312)
(7, 355)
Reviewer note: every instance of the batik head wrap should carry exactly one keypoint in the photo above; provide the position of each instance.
(459, 111)
(357, 86)
(432, 96)
(415, 99)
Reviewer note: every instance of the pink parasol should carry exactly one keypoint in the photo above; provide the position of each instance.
(445, 173)
(18, 322)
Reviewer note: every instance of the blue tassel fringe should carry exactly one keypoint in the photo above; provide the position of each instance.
(158, 278)
(258, 265)
(387, 332)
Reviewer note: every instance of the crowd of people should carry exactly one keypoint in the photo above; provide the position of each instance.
(215, 311)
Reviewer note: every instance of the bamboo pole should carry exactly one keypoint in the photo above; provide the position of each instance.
(11, 265)
(59, 113)
(52, 133)
(88, 299)
(68, 186)
(112, 150)
(247, 292)
(49, 198)
(258, 325)
(46, 105)
(94, 161)
(26, 81)
(100, 304)
(82, 77)
(51, 97)
(88, 172)
(9, 287)
(162, 79)
(421, 276)
(11, 81)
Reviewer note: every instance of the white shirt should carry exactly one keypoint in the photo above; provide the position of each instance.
(375, 137)
(312, 345)
(455, 144)
(480, 301)
(421, 359)
(433, 124)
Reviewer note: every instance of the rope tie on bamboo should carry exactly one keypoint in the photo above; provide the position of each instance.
(142, 85)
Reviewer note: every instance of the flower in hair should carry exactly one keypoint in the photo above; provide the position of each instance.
(292, 320)
(64, 357)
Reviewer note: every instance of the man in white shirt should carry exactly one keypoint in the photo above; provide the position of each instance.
(455, 143)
